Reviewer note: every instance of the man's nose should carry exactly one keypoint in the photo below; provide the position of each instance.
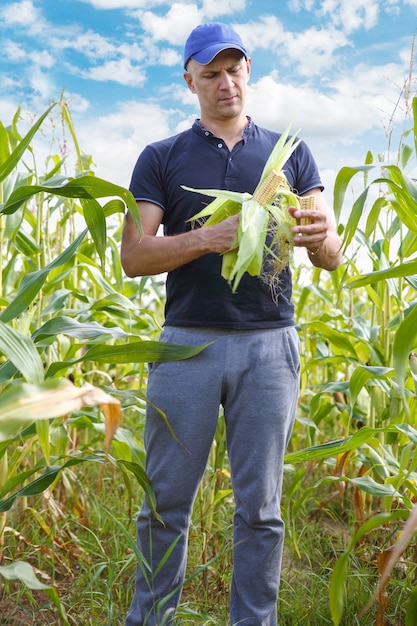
(226, 80)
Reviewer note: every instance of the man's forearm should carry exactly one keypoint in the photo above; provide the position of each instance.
(154, 255)
(151, 254)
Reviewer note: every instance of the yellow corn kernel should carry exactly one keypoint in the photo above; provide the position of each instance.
(307, 203)
(269, 189)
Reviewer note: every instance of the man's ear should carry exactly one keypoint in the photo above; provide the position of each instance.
(189, 80)
(248, 65)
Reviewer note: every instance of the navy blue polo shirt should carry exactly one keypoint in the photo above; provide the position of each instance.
(196, 293)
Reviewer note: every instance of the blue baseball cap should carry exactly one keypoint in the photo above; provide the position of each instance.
(207, 40)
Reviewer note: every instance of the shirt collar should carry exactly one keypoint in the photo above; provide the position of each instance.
(207, 133)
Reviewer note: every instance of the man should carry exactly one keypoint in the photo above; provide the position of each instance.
(252, 364)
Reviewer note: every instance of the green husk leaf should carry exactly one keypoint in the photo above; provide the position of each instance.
(280, 154)
(250, 249)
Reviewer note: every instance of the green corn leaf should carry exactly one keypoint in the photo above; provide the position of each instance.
(332, 448)
(408, 246)
(376, 521)
(45, 480)
(51, 473)
(405, 269)
(354, 217)
(414, 107)
(252, 229)
(339, 573)
(225, 203)
(362, 375)
(96, 222)
(68, 326)
(20, 570)
(411, 610)
(341, 183)
(21, 351)
(26, 244)
(32, 283)
(223, 211)
(37, 486)
(143, 480)
(4, 144)
(141, 351)
(42, 431)
(13, 159)
(21, 478)
(341, 340)
(404, 341)
(280, 154)
(85, 187)
(228, 262)
(134, 352)
(337, 589)
(365, 483)
(374, 213)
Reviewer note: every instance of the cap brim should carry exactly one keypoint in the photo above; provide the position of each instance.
(206, 56)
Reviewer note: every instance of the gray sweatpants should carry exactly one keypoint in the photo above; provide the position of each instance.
(255, 376)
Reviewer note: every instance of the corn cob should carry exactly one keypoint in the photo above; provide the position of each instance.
(307, 203)
(263, 214)
(270, 187)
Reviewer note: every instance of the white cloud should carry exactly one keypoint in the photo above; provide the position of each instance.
(360, 104)
(76, 103)
(120, 71)
(8, 108)
(118, 138)
(217, 8)
(174, 26)
(351, 15)
(312, 50)
(299, 5)
(168, 57)
(43, 88)
(348, 15)
(277, 105)
(267, 33)
(122, 4)
(13, 51)
(42, 59)
(21, 13)
(89, 44)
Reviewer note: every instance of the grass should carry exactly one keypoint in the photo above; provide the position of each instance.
(92, 565)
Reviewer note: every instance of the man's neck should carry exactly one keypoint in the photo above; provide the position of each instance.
(230, 131)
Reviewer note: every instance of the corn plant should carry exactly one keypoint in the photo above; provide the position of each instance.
(359, 370)
(72, 336)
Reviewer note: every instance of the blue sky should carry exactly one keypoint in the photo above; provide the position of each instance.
(335, 69)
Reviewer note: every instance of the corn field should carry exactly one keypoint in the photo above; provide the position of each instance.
(75, 337)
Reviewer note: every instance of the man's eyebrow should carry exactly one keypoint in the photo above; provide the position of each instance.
(229, 68)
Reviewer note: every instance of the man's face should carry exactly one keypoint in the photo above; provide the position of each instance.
(220, 85)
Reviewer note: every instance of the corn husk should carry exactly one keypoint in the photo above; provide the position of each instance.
(264, 237)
